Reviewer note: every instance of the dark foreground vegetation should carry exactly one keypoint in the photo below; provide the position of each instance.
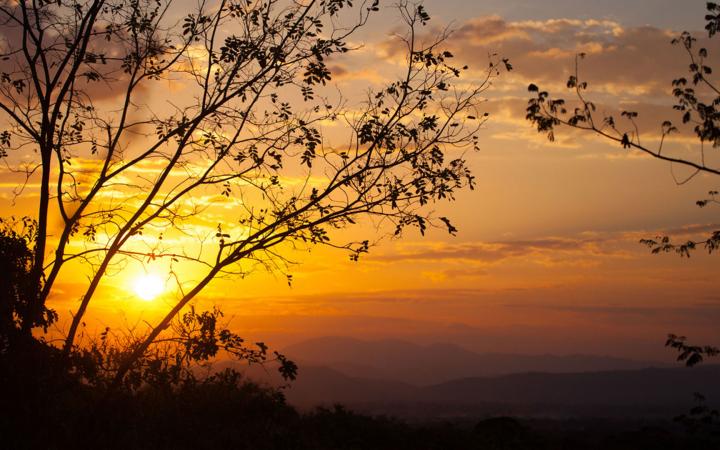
(46, 407)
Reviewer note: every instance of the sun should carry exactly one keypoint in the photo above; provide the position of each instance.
(148, 286)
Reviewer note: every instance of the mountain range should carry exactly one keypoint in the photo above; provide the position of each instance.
(443, 380)
(421, 365)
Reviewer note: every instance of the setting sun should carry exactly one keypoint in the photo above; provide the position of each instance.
(148, 286)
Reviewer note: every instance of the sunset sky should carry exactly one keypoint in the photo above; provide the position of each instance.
(547, 258)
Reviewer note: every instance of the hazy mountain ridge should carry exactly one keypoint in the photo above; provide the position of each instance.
(627, 392)
(425, 365)
(627, 387)
(630, 393)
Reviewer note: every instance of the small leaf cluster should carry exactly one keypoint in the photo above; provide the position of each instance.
(691, 355)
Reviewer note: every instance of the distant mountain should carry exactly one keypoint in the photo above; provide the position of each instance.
(650, 387)
(423, 365)
(320, 385)
(633, 393)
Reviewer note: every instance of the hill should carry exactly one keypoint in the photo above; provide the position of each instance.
(420, 365)
(660, 393)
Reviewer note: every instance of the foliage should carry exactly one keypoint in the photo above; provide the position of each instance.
(20, 311)
(197, 339)
(697, 100)
(691, 355)
(133, 181)
(701, 419)
(52, 400)
(664, 244)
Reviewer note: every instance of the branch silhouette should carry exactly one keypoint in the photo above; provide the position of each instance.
(697, 100)
(131, 178)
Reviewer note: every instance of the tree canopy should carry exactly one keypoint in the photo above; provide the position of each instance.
(132, 121)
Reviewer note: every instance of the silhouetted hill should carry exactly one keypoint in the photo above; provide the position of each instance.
(437, 363)
(633, 393)
(322, 385)
(632, 387)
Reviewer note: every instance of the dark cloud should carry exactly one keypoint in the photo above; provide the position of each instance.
(693, 230)
(599, 245)
(635, 58)
(113, 80)
(490, 252)
(464, 272)
(624, 60)
(691, 313)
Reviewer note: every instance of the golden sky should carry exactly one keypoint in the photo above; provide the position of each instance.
(547, 258)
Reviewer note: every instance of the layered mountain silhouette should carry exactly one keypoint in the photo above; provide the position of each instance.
(441, 380)
(627, 393)
(420, 365)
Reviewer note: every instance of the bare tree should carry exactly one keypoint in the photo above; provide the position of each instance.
(697, 101)
(128, 177)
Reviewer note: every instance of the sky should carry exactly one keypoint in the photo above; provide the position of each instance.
(547, 258)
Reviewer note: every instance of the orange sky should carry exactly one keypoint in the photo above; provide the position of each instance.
(547, 259)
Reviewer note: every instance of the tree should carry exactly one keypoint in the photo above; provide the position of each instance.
(128, 178)
(697, 101)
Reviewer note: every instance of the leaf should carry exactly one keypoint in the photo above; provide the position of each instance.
(625, 141)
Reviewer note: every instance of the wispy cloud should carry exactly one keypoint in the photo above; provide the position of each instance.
(491, 252)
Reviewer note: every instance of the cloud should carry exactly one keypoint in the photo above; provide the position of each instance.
(625, 61)
(493, 252)
(113, 78)
(472, 259)
(565, 319)
(692, 313)
(465, 272)
(627, 67)
(620, 59)
(692, 230)
(345, 72)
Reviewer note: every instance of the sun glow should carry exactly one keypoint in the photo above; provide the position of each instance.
(148, 286)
